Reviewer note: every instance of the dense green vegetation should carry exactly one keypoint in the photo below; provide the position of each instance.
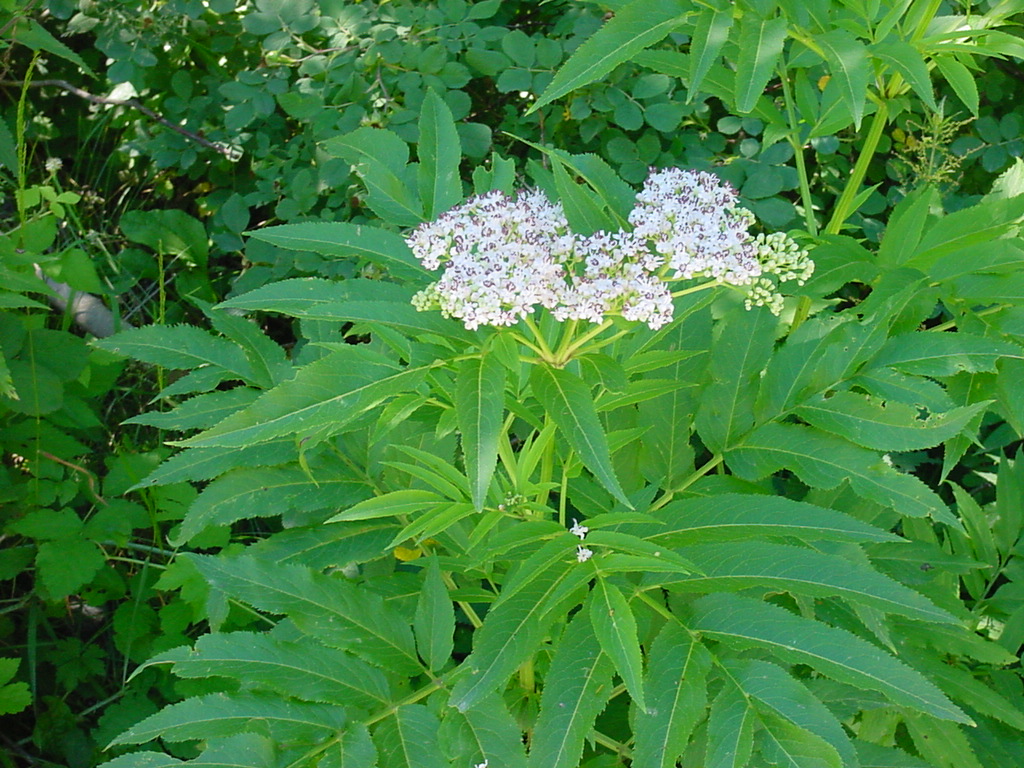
(276, 492)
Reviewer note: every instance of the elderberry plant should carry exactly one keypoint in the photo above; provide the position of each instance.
(560, 523)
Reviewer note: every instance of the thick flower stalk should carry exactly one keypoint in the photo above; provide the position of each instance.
(503, 257)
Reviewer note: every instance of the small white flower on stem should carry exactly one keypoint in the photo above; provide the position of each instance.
(579, 530)
(583, 554)
(481, 765)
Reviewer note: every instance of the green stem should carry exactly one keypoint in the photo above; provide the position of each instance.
(666, 497)
(844, 205)
(798, 155)
(565, 353)
(543, 349)
(950, 324)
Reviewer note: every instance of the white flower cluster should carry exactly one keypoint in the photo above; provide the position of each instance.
(503, 256)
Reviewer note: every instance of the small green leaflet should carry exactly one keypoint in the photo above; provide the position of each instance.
(744, 621)
(850, 68)
(731, 725)
(635, 26)
(434, 625)
(576, 690)
(709, 36)
(440, 152)
(179, 346)
(408, 739)
(479, 405)
(567, 399)
(676, 691)
(496, 733)
(943, 354)
(760, 46)
(782, 742)
(243, 749)
(613, 621)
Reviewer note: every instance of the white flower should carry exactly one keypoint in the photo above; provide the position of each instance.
(579, 530)
(481, 765)
(583, 554)
(53, 164)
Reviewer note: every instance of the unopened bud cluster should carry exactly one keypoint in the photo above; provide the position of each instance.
(504, 256)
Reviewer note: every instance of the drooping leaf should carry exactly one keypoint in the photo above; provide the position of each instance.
(824, 461)
(342, 240)
(266, 492)
(330, 608)
(319, 401)
(207, 463)
(960, 79)
(635, 26)
(873, 423)
(435, 619)
(943, 354)
(262, 662)
(567, 399)
(220, 714)
(479, 405)
(676, 697)
(745, 622)
(908, 61)
(615, 626)
(734, 516)
(179, 346)
(583, 208)
(576, 690)
(439, 151)
(743, 564)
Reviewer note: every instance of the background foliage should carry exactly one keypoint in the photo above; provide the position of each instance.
(887, 131)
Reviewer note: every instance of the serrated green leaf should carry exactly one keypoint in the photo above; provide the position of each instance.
(404, 502)
(330, 608)
(332, 545)
(201, 411)
(760, 46)
(33, 35)
(320, 401)
(874, 423)
(63, 566)
(776, 691)
(269, 364)
(179, 346)
(220, 714)
(379, 157)
(266, 492)
(942, 745)
(904, 58)
(576, 690)
(567, 399)
(848, 62)
(496, 733)
(355, 749)
(961, 80)
(434, 625)
(943, 354)
(207, 463)
(408, 739)
(744, 564)
(738, 355)
(261, 662)
(875, 756)
(709, 36)
(479, 405)
(615, 626)
(583, 208)
(440, 152)
(514, 627)
(243, 750)
(824, 461)
(782, 742)
(298, 295)
(635, 26)
(677, 695)
(734, 516)
(731, 724)
(834, 652)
